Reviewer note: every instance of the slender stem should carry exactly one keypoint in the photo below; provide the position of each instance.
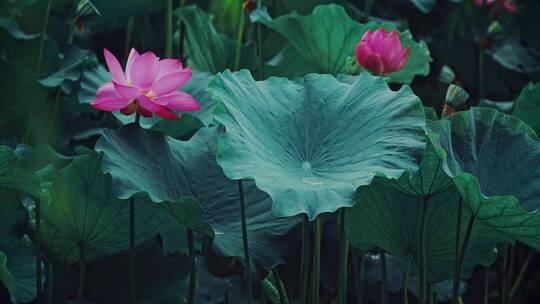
(50, 279)
(455, 287)
(405, 288)
(316, 261)
(138, 118)
(26, 137)
(182, 34)
(467, 237)
(341, 285)
(359, 269)
(521, 275)
(168, 28)
(132, 283)
(280, 287)
(129, 37)
(192, 267)
(384, 289)
(504, 281)
(481, 58)
(259, 45)
(509, 274)
(239, 39)
(304, 271)
(82, 274)
(245, 241)
(422, 294)
(368, 6)
(432, 293)
(486, 286)
(38, 251)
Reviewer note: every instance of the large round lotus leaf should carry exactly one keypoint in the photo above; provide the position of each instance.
(83, 211)
(12, 176)
(493, 159)
(527, 106)
(311, 143)
(388, 218)
(326, 39)
(177, 172)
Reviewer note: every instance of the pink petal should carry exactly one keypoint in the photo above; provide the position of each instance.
(509, 6)
(144, 112)
(126, 91)
(106, 90)
(167, 114)
(375, 64)
(110, 104)
(398, 61)
(144, 70)
(180, 101)
(148, 104)
(169, 66)
(362, 51)
(133, 54)
(170, 82)
(114, 67)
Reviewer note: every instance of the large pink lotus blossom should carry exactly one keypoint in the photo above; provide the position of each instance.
(381, 52)
(507, 5)
(148, 85)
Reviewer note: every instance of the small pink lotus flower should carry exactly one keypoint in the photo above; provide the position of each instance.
(507, 5)
(149, 85)
(381, 52)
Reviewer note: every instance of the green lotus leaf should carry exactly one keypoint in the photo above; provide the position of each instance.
(12, 176)
(206, 48)
(388, 215)
(311, 143)
(527, 107)
(327, 38)
(493, 159)
(71, 67)
(180, 172)
(83, 211)
(93, 78)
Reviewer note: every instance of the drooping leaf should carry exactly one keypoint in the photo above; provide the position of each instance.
(14, 177)
(492, 158)
(311, 143)
(326, 39)
(83, 211)
(388, 215)
(527, 106)
(515, 56)
(425, 6)
(183, 173)
(71, 67)
(206, 48)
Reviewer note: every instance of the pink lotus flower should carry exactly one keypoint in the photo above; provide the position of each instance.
(149, 85)
(507, 5)
(381, 52)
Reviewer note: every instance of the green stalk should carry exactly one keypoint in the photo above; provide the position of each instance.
(192, 267)
(82, 274)
(50, 279)
(504, 288)
(486, 287)
(38, 251)
(520, 276)
(259, 45)
(467, 237)
(405, 288)
(384, 289)
(281, 289)
(129, 37)
(422, 295)
(341, 286)
(432, 294)
(239, 38)
(368, 6)
(481, 74)
(304, 271)
(359, 269)
(26, 137)
(455, 287)
(245, 241)
(182, 34)
(168, 28)
(132, 284)
(316, 261)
